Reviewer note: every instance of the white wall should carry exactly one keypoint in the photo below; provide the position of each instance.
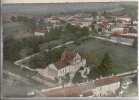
(123, 40)
(55, 21)
(106, 88)
(38, 33)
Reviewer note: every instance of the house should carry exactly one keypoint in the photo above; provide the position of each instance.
(77, 17)
(89, 27)
(40, 31)
(132, 33)
(124, 38)
(102, 86)
(55, 20)
(85, 22)
(79, 24)
(87, 17)
(100, 17)
(106, 85)
(69, 91)
(134, 21)
(70, 62)
(125, 30)
(124, 18)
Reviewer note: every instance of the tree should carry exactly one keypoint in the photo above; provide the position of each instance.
(60, 28)
(41, 22)
(93, 27)
(78, 41)
(94, 13)
(135, 43)
(99, 29)
(94, 32)
(13, 18)
(81, 68)
(67, 77)
(62, 21)
(19, 18)
(25, 19)
(85, 30)
(47, 14)
(78, 78)
(94, 22)
(40, 39)
(106, 65)
(132, 91)
(94, 73)
(104, 13)
(93, 57)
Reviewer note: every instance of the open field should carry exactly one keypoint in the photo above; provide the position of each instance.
(10, 24)
(15, 29)
(123, 56)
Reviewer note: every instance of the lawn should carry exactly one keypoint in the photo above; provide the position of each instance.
(15, 29)
(122, 56)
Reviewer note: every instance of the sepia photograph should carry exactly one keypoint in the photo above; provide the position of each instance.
(69, 49)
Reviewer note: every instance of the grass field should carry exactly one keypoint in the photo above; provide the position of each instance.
(10, 24)
(122, 56)
(15, 29)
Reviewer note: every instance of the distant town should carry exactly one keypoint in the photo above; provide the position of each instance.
(88, 52)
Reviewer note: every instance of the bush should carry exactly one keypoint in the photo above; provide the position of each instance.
(78, 41)
(81, 68)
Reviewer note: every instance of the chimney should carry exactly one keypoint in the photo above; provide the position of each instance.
(93, 81)
(101, 77)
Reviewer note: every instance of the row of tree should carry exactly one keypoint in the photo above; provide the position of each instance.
(12, 47)
(105, 69)
(44, 58)
(23, 19)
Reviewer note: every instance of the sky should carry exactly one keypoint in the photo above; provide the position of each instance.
(48, 1)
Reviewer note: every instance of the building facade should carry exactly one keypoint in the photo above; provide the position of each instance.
(70, 62)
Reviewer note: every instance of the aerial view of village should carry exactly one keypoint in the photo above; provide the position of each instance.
(55, 50)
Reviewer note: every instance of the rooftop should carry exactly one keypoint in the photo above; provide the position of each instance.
(61, 64)
(106, 81)
(87, 93)
(70, 91)
(78, 24)
(89, 26)
(116, 34)
(41, 30)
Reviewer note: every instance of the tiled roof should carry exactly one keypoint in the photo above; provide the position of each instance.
(41, 30)
(135, 24)
(89, 26)
(69, 55)
(61, 64)
(55, 18)
(82, 56)
(106, 81)
(70, 91)
(78, 24)
(87, 86)
(87, 93)
(125, 29)
(123, 16)
(124, 36)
